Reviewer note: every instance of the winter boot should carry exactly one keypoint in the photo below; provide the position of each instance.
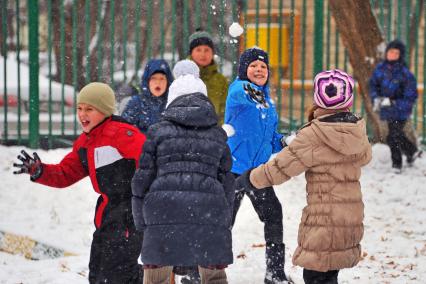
(275, 264)
(397, 169)
(412, 158)
(316, 277)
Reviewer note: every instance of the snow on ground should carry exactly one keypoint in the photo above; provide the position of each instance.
(394, 243)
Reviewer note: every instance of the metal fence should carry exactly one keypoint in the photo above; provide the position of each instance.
(51, 48)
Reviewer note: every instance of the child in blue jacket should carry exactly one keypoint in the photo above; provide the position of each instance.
(393, 89)
(144, 109)
(251, 114)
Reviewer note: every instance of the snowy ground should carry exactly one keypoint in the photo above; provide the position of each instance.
(394, 243)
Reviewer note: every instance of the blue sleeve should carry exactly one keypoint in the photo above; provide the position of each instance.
(276, 142)
(405, 104)
(132, 111)
(374, 84)
(142, 180)
(410, 88)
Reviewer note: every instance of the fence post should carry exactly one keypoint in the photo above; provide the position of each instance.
(33, 47)
(318, 35)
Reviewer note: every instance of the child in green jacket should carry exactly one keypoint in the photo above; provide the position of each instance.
(201, 51)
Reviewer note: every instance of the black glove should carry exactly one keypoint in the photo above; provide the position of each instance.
(257, 95)
(242, 183)
(30, 165)
(286, 140)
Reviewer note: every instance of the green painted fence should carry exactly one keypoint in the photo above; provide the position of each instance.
(51, 48)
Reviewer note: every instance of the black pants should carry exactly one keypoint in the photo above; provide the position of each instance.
(114, 255)
(269, 210)
(317, 277)
(399, 143)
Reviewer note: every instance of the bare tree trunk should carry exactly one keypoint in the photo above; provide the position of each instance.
(414, 25)
(362, 38)
(179, 29)
(57, 43)
(106, 35)
(80, 44)
(93, 58)
(56, 38)
(68, 43)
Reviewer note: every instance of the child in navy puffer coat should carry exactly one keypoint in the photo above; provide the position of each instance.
(183, 193)
(393, 91)
(144, 109)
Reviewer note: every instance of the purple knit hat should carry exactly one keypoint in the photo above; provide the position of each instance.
(333, 89)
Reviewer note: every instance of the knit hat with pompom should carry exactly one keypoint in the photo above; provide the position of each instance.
(187, 81)
(333, 89)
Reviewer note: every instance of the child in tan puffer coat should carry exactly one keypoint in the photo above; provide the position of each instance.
(331, 149)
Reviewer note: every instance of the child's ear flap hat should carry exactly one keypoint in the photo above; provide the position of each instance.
(333, 89)
(98, 95)
(247, 57)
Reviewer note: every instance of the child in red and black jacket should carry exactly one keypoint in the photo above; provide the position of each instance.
(108, 152)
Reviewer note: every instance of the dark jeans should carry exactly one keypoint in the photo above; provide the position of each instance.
(399, 143)
(114, 255)
(269, 210)
(317, 277)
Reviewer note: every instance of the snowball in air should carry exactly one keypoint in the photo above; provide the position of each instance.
(235, 30)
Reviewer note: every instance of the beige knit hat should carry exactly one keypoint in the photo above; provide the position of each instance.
(98, 95)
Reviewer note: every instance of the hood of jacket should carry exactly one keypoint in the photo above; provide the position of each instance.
(155, 66)
(193, 110)
(341, 132)
(397, 44)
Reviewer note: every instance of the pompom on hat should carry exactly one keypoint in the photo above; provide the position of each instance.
(187, 81)
(186, 67)
(98, 95)
(333, 89)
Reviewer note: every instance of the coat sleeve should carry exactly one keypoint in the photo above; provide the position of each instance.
(132, 111)
(405, 102)
(130, 143)
(226, 177)
(276, 141)
(367, 156)
(143, 178)
(67, 172)
(290, 162)
(374, 85)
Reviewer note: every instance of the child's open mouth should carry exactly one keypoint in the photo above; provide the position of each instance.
(85, 123)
